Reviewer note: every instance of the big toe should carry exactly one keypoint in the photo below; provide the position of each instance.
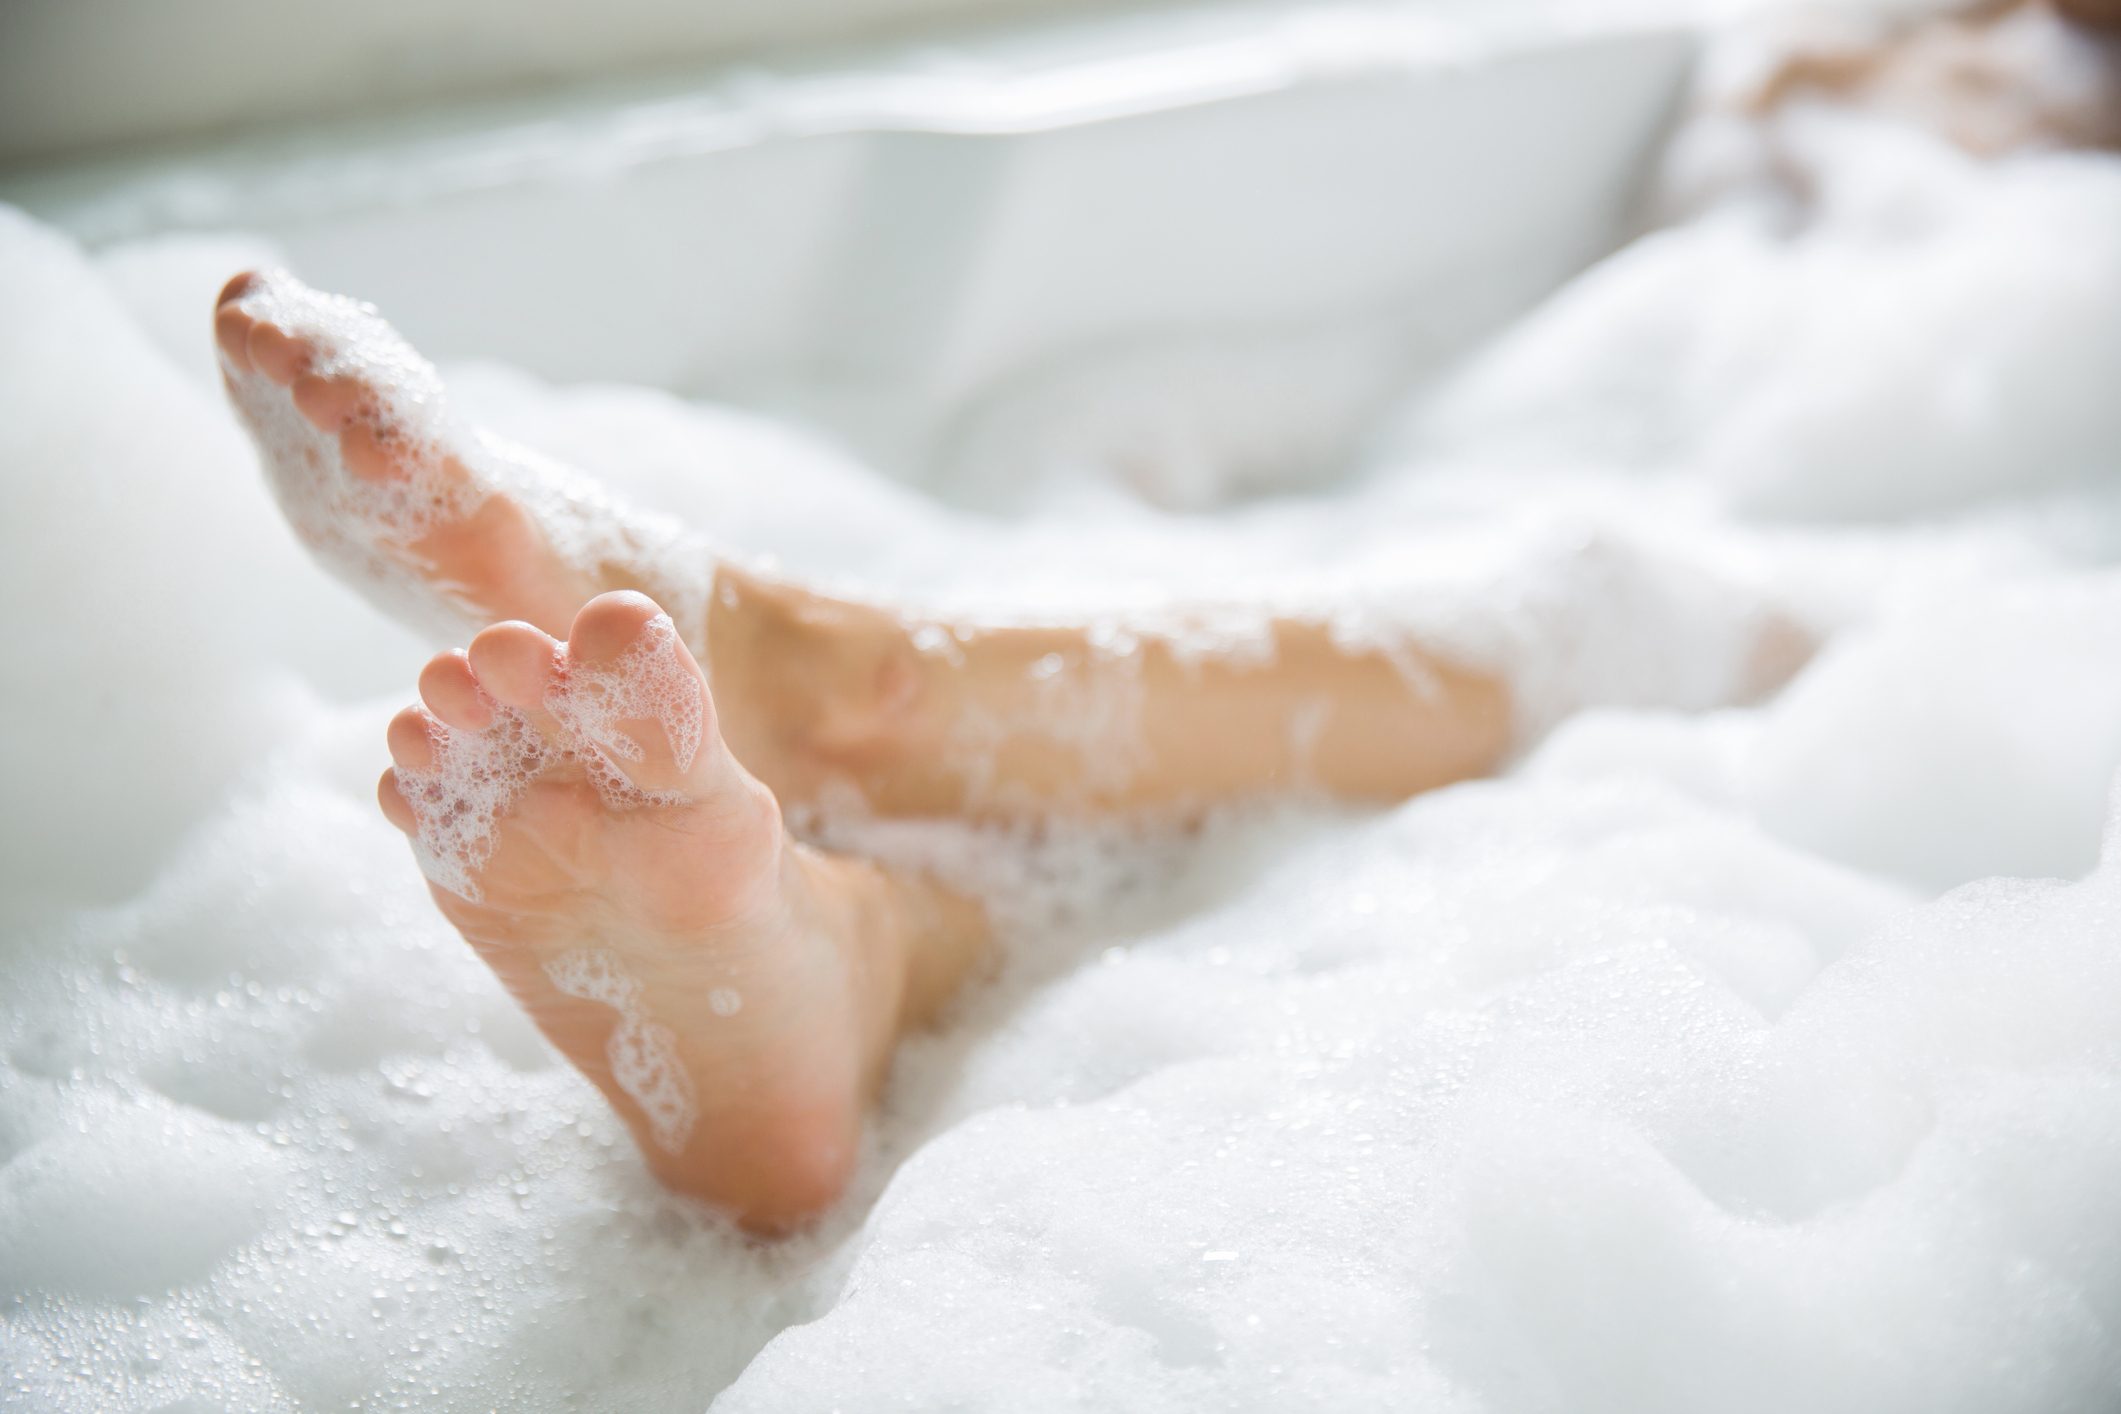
(609, 625)
(634, 691)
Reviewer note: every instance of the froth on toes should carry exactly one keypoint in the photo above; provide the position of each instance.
(734, 994)
(441, 523)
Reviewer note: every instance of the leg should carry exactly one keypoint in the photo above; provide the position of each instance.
(451, 526)
(735, 994)
(927, 718)
(446, 524)
(595, 823)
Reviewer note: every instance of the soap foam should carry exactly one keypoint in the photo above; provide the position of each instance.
(363, 527)
(643, 1052)
(651, 681)
(476, 777)
(1637, 1078)
(359, 526)
(1088, 705)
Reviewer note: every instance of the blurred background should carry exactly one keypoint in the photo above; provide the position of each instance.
(81, 76)
(907, 222)
(1652, 1074)
(77, 76)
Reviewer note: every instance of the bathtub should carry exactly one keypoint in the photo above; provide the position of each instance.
(886, 241)
(1715, 1055)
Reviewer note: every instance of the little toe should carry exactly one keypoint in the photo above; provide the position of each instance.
(453, 694)
(328, 403)
(277, 354)
(396, 809)
(514, 663)
(412, 738)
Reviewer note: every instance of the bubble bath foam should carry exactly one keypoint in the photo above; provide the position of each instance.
(1749, 1058)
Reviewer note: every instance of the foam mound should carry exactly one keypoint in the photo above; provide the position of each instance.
(1762, 1058)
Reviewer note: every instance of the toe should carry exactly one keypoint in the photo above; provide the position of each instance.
(277, 354)
(634, 690)
(608, 625)
(514, 663)
(329, 403)
(237, 287)
(452, 693)
(368, 452)
(232, 332)
(412, 738)
(396, 808)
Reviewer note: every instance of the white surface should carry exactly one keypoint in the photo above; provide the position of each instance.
(79, 74)
(1654, 1075)
(899, 244)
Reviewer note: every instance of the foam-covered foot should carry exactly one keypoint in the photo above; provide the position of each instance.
(734, 994)
(444, 525)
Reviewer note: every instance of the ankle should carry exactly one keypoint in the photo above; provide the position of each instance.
(813, 689)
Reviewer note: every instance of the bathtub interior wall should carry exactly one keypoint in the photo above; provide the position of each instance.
(1756, 1058)
(925, 252)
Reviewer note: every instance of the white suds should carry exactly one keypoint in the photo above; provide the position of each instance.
(1089, 704)
(651, 681)
(476, 777)
(443, 471)
(355, 522)
(643, 1052)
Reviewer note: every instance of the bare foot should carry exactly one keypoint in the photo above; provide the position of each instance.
(449, 526)
(736, 995)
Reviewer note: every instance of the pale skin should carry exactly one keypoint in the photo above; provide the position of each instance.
(706, 896)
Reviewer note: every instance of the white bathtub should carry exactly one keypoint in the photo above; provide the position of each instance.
(886, 240)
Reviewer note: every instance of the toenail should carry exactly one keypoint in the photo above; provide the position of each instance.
(238, 287)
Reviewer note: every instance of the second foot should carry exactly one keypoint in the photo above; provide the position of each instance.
(443, 524)
(735, 994)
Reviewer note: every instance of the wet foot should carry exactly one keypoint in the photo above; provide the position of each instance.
(448, 526)
(736, 995)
